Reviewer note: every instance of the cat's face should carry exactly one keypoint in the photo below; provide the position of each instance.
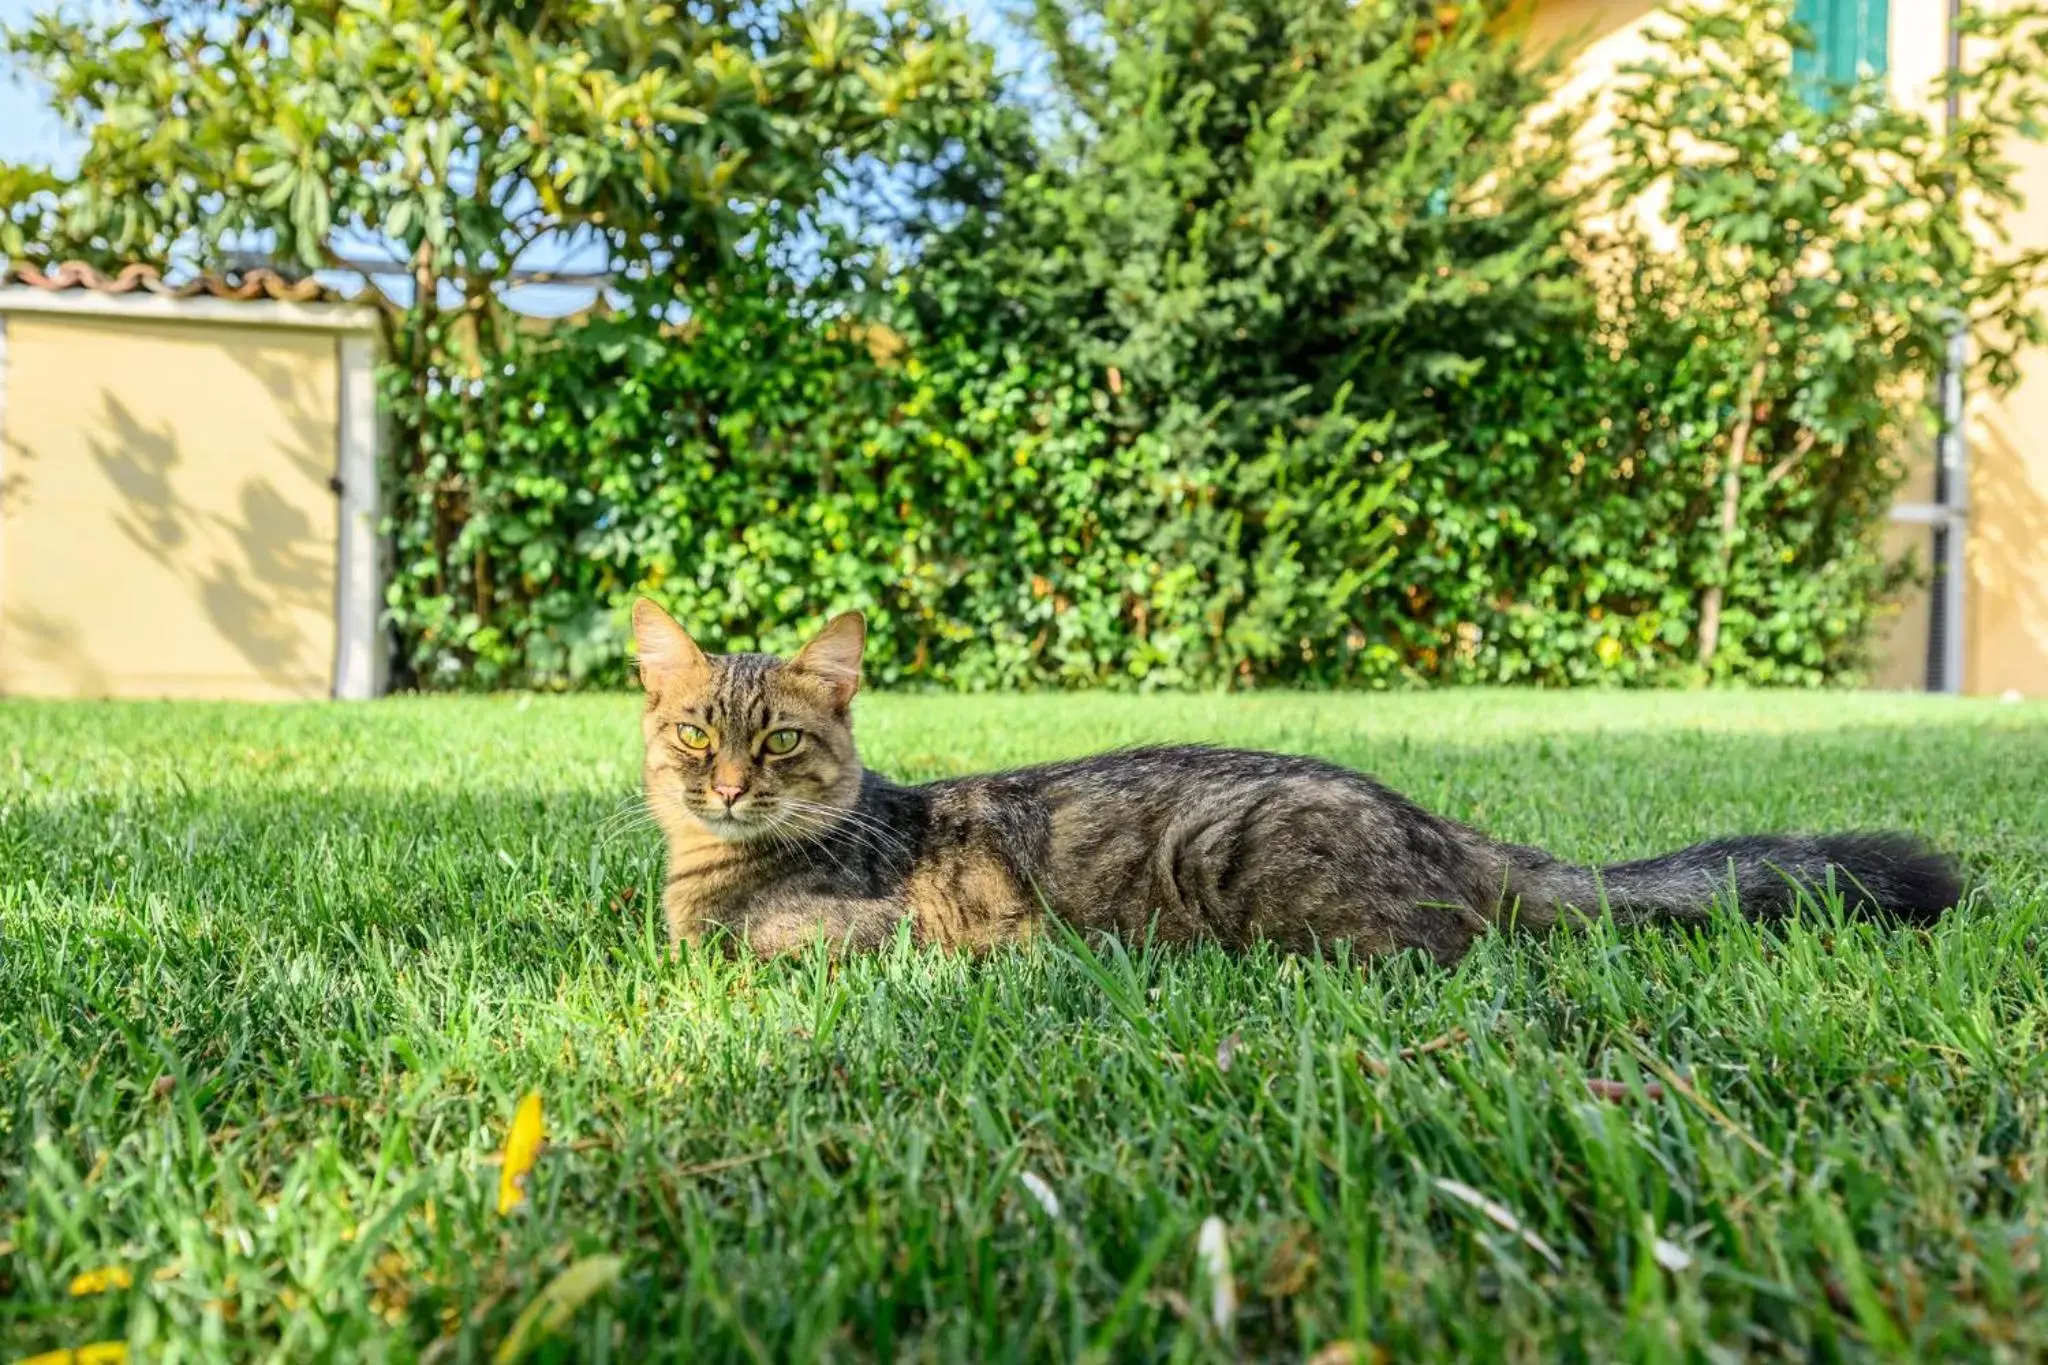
(748, 746)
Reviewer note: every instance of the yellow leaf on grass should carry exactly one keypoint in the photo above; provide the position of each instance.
(550, 1310)
(95, 1353)
(100, 1281)
(522, 1150)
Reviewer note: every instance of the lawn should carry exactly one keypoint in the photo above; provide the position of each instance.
(273, 980)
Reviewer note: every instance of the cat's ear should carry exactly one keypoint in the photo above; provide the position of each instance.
(667, 653)
(833, 655)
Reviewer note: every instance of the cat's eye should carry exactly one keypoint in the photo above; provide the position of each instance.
(693, 739)
(782, 741)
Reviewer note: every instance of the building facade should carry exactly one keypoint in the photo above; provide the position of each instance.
(1976, 509)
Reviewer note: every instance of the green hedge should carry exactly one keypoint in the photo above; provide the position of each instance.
(1276, 356)
(1004, 524)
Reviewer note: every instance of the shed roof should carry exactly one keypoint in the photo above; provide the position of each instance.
(244, 285)
(258, 296)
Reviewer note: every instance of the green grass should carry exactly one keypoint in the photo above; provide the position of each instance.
(272, 981)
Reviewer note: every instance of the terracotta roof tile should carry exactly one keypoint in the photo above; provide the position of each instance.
(247, 284)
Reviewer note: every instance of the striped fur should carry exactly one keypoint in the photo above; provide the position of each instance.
(1179, 844)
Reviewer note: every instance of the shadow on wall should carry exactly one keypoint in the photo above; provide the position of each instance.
(255, 568)
(57, 644)
(1577, 24)
(2008, 613)
(14, 458)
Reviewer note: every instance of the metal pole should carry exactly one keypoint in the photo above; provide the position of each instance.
(1946, 658)
(1954, 533)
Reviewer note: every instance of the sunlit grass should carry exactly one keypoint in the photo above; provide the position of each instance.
(273, 981)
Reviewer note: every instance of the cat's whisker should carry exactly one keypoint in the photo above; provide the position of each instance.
(805, 831)
(611, 818)
(798, 842)
(636, 814)
(631, 808)
(616, 829)
(823, 834)
(850, 820)
(850, 816)
(823, 822)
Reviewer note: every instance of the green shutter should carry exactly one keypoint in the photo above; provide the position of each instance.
(1849, 36)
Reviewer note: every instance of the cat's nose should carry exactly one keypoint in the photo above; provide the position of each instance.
(729, 794)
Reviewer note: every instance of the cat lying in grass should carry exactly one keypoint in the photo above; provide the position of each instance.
(778, 837)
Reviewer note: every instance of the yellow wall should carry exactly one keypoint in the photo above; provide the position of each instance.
(2005, 608)
(166, 524)
(2007, 605)
(1603, 37)
(2006, 602)
(1900, 663)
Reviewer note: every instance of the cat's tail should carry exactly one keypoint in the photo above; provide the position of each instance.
(1762, 875)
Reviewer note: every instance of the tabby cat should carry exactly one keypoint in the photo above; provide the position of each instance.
(779, 837)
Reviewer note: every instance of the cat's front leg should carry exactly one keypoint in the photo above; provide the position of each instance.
(846, 925)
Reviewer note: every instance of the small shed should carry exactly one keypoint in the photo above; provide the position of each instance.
(188, 488)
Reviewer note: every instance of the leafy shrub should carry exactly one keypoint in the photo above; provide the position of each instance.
(1281, 360)
(1268, 348)
(1828, 247)
(1166, 375)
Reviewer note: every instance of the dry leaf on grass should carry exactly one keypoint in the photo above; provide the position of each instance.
(1502, 1215)
(100, 1281)
(1670, 1255)
(1212, 1249)
(1617, 1091)
(522, 1150)
(1226, 1052)
(1409, 1054)
(1348, 1353)
(550, 1310)
(1035, 1184)
(93, 1353)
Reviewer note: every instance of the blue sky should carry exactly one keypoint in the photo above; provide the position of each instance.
(28, 133)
